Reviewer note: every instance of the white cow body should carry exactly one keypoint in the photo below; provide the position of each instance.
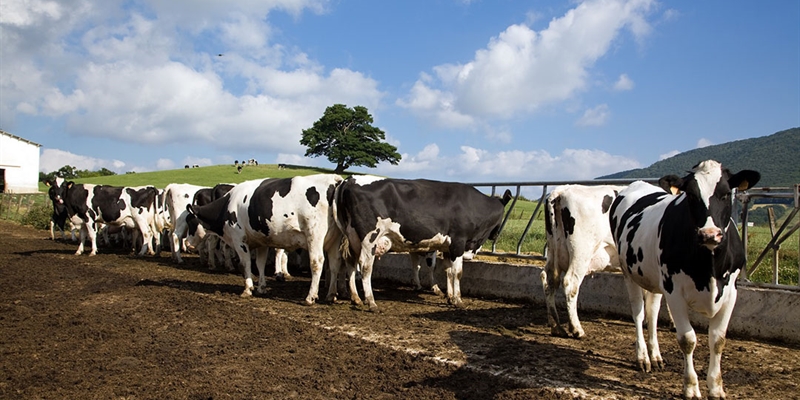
(579, 243)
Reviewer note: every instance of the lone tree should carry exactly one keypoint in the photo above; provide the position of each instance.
(346, 136)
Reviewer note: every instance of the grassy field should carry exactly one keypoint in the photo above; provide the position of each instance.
(22, 209)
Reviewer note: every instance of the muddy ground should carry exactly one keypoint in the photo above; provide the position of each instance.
(115, 326)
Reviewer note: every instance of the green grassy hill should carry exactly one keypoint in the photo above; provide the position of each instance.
(774, 156)
(203, 176)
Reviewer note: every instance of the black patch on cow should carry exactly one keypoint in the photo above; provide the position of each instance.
(106, 200)
(186, 195)
(640, 255)
(607, 201)
(244, 199)
(143, 198)
(212, 215)
(548, 210)
(422, 208)
(244, 248)
(313, 196)
(220, 190)
(374, 235)
(231, 218)
(260, 209)
(568, 221)
(203, 197)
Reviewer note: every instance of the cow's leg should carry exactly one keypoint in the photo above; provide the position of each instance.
(366, 260)
(652, 303)
(174, 245)
(281, 261)
(717, 329)
(211, 248)
(453, 270)
(52, 233)
(243, 251)
(687, 340)
(227, 255)
(415, 266)
(551, 279)
(84, 232)
(572, 286)
(316, 257)
(261, 263)
(147, 232)
(430, 261)
(636, 297)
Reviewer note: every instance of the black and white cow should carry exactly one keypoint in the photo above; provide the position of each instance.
(285, 213)
(88, 205)
(60, 215)
(176, 197)
(686, 247)
(579, 243)
(209, 245)
(378, 215)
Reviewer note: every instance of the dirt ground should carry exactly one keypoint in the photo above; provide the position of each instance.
(115, 326)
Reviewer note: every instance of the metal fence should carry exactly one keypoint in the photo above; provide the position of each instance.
(779, 235)
(14, 206)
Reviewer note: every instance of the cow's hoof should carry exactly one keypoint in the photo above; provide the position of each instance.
(308, 302)
(247, 293)
(280, 278)
(558, 331)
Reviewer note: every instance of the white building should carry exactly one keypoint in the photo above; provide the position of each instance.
(19, 164)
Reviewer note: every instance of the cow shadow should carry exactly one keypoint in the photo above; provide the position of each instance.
(532, 369)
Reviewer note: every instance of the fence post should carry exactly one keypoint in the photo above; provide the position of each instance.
(775, 255)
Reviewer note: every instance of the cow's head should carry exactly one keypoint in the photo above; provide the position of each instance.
(56, 191)
(195, 230)
(708, 190)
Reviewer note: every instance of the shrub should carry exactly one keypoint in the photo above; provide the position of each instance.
(38, 216)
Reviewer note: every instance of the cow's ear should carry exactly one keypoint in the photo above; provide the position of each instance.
(47, 183)
(69, 184)
(506, 197)
(190, 209)
(744, 179)
(671, 183)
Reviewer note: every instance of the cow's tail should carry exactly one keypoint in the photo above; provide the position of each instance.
(341, 221)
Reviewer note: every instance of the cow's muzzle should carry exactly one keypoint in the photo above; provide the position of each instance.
(710, 237)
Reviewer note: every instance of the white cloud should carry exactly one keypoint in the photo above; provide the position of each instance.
(668, 155)
(53, 159)
(703, 142)
(522, 70)
(132, 74)
(165, 163)
(624, 83)
(474, 164)
(596, 116)
(192, 161)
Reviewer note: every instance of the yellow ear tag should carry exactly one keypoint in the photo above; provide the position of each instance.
(744, 185)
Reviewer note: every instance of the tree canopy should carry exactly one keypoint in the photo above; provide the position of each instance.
(347, 138)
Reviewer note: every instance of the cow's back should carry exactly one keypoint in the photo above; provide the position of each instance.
(422, 209)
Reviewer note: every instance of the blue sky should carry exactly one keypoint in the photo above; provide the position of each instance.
(468, 91)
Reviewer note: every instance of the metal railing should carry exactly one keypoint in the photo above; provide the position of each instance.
(544, 190)
(779, 235)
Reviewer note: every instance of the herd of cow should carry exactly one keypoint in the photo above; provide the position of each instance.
(676, 240)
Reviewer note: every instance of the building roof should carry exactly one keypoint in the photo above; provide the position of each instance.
(19, 138)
